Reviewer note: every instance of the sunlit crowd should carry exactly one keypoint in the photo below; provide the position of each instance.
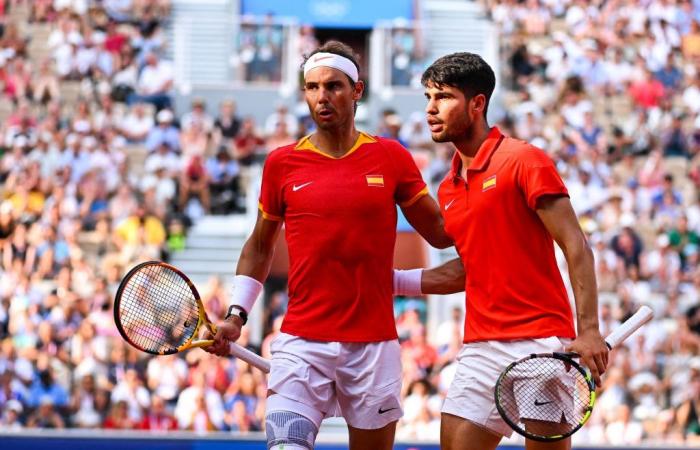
(99, 171)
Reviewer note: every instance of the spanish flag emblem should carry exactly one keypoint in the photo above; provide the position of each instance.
(489, 183)
(375, 180)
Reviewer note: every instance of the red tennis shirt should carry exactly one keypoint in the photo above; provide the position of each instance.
(340, 220)
(513, 287)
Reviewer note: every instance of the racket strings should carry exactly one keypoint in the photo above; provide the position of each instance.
(158, 310)
(544, 396)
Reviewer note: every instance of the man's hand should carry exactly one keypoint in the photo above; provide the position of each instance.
(227, 331)
(593, 350)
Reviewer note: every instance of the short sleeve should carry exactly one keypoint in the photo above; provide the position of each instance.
(410, 185)
(539, 177)
(271, 203)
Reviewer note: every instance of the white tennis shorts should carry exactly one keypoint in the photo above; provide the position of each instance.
(358, 381)
(479, 364)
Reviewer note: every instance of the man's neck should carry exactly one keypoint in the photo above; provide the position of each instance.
(335, 143)
(470, 145)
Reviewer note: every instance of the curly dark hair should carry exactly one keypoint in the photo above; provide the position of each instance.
(465, 71)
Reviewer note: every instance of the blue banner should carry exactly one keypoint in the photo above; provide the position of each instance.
(332, 13)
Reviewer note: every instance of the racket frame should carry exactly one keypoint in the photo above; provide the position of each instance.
(643, 315)
(202, 318)
(567, 358)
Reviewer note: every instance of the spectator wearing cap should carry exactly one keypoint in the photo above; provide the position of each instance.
(164, 132)
(155, 83)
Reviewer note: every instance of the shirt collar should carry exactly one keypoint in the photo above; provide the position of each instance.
(483, 155)
(306, 144)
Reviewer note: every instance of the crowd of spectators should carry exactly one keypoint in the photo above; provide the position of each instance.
(92, 184)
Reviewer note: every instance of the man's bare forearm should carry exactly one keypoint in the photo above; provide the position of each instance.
(447, 278)
(579, 258)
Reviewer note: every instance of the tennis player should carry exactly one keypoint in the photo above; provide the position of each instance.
(336, 192)
(503, 204)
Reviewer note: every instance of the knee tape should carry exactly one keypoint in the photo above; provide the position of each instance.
(289, 430)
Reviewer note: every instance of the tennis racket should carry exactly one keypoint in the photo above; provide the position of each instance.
(159, 311)
(549, 396)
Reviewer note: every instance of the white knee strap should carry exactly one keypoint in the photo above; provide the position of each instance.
(287, 430)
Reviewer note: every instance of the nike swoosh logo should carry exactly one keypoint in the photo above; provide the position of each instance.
(296, 188)
(539, 403)
(382, 411)
(447, 206)
(321, 58)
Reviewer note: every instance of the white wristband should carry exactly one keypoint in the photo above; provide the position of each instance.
(408, 282)
(245, 291)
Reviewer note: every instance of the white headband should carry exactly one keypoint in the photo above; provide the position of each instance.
(332, 60)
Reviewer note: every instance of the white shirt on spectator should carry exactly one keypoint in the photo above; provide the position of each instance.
(135, 125)
(586, 197)
(128, 76)
(153, 78)
(66, 60)
(77, 6)
(691, 98)
(169, 373)
(164, 187)
(274, 118)
(573, 114)
(49, 160)
(169, 161)
(187, 404)
(137, 401)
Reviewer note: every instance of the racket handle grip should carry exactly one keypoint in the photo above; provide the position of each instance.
(249, 357)
(619, 334)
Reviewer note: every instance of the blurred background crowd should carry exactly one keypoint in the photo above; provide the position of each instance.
(99, 171)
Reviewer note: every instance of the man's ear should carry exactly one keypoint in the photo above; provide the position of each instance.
(478, 103)
(358, 90)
